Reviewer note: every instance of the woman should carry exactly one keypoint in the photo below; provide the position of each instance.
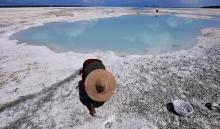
(97, 85)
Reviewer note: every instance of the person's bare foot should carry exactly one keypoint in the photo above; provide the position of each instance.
(92, 112)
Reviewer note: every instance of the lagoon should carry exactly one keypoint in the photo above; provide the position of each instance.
(129, 34)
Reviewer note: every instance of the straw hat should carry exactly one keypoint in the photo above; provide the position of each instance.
(100, 85)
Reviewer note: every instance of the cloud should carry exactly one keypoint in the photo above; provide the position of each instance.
(172, 22)
(191, 1)
(80, 28)
(93, 1)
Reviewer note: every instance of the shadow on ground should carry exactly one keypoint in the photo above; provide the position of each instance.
(170, 108)
(50, 90)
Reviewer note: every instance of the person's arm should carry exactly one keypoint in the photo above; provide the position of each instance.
(80, 71)
(81, 85)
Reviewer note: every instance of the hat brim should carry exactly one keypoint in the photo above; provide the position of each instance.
(90, 85)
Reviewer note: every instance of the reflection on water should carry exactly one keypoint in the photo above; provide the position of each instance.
(133, 34)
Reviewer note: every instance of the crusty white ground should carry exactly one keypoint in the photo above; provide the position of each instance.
(38, 86)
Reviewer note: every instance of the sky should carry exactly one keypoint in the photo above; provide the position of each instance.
(161, 3)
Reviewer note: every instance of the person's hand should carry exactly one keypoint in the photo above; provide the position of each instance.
(92, 112)
(79, 71)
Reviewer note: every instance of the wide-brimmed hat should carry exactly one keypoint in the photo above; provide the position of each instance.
(100, 85)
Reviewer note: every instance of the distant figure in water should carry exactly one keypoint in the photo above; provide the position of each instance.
(157, 11)
(97, 84)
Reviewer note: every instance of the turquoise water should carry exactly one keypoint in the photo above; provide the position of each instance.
(132, 34)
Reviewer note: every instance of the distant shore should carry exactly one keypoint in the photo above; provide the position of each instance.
(30, 6)
(217, 7)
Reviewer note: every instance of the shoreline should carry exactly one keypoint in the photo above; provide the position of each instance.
(55, 14)
(145, 83)
(132, 11)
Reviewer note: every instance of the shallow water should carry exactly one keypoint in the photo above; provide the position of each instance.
(131, 34)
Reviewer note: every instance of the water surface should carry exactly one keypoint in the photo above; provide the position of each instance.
(131, 34)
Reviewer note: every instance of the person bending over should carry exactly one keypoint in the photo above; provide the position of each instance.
(97, 84)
